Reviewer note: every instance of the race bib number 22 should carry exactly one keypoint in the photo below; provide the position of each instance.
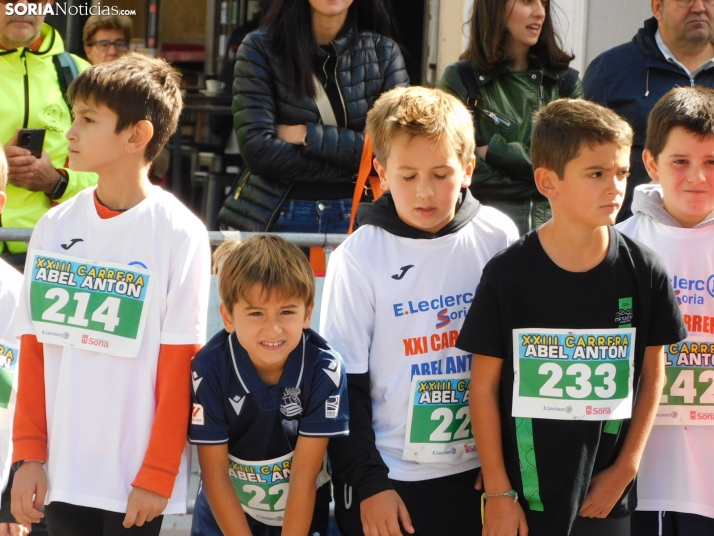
(97, 306)
(438, 422)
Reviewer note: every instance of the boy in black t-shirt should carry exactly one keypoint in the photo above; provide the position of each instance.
(567, 330)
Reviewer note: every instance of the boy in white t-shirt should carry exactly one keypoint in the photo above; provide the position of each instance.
(112, 311)
(10, 283)
(395, 297)
(675, 217)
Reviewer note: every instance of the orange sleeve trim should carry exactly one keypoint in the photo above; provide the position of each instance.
(173, 408)
(29, 431)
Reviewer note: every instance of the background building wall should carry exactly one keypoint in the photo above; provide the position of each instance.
(613, 22)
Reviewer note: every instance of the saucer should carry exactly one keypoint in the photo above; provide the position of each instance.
(210, 93)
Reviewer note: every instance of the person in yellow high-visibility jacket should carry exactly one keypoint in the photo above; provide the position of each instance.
(31, 97)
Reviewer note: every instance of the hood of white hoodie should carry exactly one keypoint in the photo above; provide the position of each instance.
(648, 200)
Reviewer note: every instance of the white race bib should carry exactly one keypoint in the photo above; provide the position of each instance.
(438, 422)
(579, 374)
(97, 306)
(688, 395)
(9, 354)
(262, 486)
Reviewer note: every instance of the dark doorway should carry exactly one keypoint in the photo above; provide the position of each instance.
(409, 21)
(69, 22)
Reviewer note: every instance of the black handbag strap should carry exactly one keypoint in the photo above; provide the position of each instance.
(468, 75)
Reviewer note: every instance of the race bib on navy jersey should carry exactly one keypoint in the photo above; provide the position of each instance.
(9, 354)
(439, 423)
(579, 374)
(688, 395)
(96, 306)
(262, 486)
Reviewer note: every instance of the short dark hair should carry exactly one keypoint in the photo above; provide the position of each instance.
(106, 22)
(136, 88)
(691, 108)
(562, 128)
(487, 42)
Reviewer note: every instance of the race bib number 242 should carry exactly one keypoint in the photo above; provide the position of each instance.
(688, 396)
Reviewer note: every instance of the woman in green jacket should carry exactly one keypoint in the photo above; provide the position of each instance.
(513, 66)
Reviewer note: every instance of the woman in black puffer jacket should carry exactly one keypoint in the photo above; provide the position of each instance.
(302, 171)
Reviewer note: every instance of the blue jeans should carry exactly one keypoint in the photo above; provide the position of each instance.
(326, 216)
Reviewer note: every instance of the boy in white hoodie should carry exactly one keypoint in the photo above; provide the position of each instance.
(675, 216)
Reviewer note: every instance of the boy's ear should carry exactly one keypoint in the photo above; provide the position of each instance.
(227, 318)
(545, 180)
(141, 134)
(382, 172)
(308, 315)
(3, 198)
(650, 164)
(469, 171)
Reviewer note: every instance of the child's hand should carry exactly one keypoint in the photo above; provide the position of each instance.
(28, 493)
(382, 513)
(504, 517)
(478, 485)
(143, 507)
(13, 529)
(605, 491)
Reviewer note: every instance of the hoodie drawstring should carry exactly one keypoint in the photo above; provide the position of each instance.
(661, 515)
(647, 88)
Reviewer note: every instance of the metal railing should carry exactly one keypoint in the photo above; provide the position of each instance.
(15, 235)
(328, 241)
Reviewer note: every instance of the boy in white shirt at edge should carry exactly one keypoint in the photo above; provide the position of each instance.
(675, 216)
(112, 311)
(10, 284)
(395, 297)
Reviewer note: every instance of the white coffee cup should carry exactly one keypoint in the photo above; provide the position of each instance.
(214, 86)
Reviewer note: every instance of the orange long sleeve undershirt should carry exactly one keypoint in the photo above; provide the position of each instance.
(168, 433)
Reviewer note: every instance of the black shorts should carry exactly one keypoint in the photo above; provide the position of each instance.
(65, 519)
(647, 523)
(445, 506)
(609, 526)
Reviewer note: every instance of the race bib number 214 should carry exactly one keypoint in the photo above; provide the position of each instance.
(97, 306)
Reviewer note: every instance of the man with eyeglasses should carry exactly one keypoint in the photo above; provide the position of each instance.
(106, 37)
(33, 68)
(673, 49)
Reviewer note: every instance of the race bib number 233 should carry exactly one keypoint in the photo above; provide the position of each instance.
(583, 374)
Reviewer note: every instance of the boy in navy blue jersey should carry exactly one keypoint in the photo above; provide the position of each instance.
(268, 394)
